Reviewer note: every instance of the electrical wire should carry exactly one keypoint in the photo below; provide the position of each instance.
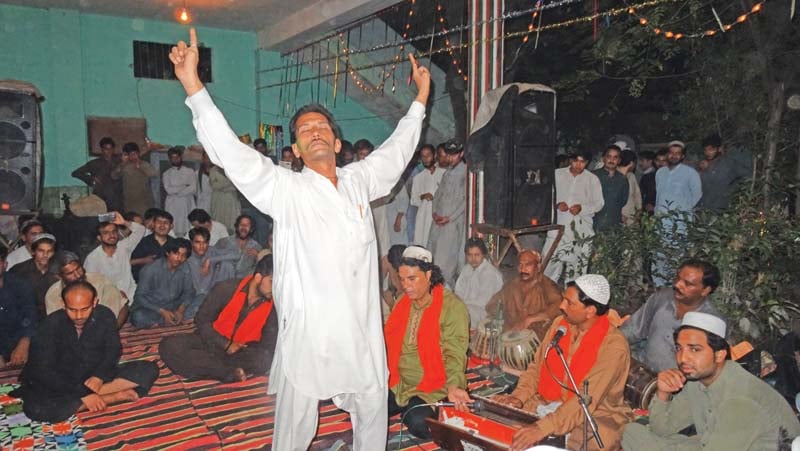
(402, 419)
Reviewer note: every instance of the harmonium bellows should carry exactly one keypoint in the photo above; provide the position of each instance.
(490, 428)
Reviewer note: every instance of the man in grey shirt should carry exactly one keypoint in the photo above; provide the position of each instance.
(650, 330)
(243, 244)
(165, 295)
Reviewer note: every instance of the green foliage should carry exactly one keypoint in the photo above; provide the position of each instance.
(757, 253)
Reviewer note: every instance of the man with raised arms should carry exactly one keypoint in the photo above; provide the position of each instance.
(330, 340)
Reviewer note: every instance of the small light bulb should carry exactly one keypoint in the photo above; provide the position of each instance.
(184, 15)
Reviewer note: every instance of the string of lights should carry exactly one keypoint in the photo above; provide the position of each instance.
(441, 19)
(512, 35)
(676, 35)
(436, 34)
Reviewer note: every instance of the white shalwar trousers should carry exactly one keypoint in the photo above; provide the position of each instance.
(297, 415)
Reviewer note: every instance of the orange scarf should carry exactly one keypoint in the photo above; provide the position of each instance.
(249, 331)
(429, 347)
(582, 361)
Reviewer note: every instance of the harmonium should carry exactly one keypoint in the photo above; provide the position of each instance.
(489, 427)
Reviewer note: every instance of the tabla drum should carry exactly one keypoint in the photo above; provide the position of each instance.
(483, 344)
(517, 348)
(641, 386)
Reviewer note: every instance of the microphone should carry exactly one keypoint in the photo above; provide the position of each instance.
(559, 333)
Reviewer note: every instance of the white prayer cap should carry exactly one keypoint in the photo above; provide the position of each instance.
(418, 253)
(43, 236)
(677, 143)
(706, 322)
(622, 145)
(595, 286)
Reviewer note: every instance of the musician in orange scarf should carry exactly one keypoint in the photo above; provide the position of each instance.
(427, 335)
(236, 331)
(597, 352)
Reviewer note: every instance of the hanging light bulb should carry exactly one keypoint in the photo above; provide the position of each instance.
(184, 15)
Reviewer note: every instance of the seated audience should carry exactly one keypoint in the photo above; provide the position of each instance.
(649, 331)
(529, 299)
(728, 407)
(36, 272)
(236, 331)
(427, 336)
(18, 318)
(74, 361)
(478, 281)
(112, 257)
(242, 243)
(597, 352)
(70, 270)
(151, 247)
(165, 295)
(208, 265)
(27, 232)
(201, 218)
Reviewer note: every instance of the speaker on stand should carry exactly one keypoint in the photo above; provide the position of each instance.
(20, 147)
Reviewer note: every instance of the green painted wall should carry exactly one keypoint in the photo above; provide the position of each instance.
(356, 121)
(82, 64)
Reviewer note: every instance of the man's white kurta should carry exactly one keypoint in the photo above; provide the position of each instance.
(181, 186)
(424, 182)
(326, 287)
(475, 286)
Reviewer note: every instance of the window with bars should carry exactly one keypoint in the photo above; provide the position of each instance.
(151, 60)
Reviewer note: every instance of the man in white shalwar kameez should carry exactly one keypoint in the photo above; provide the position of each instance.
(330, 340)
(180, 183)
(449, 215)
(478, 282)
(423, 187)
(579, 196)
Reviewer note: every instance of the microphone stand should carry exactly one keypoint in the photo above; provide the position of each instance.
(583, 399)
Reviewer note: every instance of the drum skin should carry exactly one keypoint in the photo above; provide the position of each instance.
(518, 347)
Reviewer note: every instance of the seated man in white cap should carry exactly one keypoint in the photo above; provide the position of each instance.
(596, 351)
(427, 335)
(728, 407)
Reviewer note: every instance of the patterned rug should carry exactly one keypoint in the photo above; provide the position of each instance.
(179, 414)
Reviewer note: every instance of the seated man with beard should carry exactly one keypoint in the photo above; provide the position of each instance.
(74, 361)
(70, 269)
(236, 331)
(530, 300)
(427, 335)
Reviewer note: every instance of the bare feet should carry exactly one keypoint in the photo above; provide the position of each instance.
(121, 396)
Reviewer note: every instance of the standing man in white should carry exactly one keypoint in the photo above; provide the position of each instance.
(330, 340)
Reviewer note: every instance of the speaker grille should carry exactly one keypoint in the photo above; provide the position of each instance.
(12, 187)
(12, 141)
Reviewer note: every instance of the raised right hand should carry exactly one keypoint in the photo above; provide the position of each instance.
(669, 381)
(185, 59)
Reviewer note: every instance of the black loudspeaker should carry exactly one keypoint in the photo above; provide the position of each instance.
(533, 159)
(516, 149)
(20, 147)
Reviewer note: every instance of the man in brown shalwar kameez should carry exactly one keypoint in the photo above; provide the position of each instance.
(530, 300)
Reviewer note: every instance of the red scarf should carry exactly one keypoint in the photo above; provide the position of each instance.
(249, 331)
(582, 361)
(429, 347)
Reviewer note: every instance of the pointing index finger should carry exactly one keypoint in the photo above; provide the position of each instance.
(413, 60)
(192, 37)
